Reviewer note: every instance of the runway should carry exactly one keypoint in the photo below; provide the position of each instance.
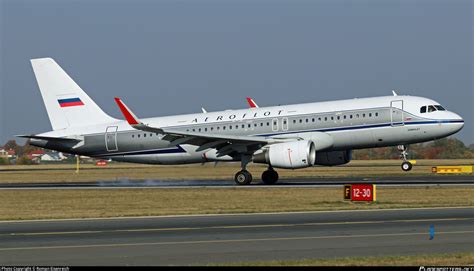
(204, 239)
(283, 183)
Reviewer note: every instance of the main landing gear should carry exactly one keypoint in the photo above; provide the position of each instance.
(406, 165)
(270, 176)
(243, 177)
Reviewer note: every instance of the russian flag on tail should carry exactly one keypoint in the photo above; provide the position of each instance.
(70, 102)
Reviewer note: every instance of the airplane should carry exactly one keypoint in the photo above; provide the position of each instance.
(285, 136)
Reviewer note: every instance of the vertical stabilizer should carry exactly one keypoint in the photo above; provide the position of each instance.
(66, 103)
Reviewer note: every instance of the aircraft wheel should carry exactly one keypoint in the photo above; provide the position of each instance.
(406, 166)
(269, 176)
(243, 177)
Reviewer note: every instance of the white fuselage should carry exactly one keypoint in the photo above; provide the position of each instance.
(352, 124)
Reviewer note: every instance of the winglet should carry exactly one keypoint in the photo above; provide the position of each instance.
(394, 93)
(252, 103)
(129, 116)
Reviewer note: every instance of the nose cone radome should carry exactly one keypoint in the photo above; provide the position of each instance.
(456, 122)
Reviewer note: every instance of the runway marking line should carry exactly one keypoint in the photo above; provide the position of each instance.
(235, 214)
(238, 226)
(230, 241)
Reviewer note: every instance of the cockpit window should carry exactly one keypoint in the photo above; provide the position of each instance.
(431, 108)
(440, 108)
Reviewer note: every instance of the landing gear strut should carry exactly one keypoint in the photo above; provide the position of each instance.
(243, 177)
(406, 165)
(269, 176)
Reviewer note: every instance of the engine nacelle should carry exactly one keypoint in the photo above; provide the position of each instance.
(333, 158)
(296, 154)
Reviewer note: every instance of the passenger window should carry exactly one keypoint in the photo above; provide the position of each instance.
(312, 119)
(294, 121)
(223, 127)
(431, 108)
(357, 115)
(332, 118)
(319, 119)
(301, 120)
(423, 109)
(199, 129)
(284, 122)
(261, 124)
(144, 135)
(205, 129)
(243, 126)
(376, 114)
(325, 118)
(212, 128)
(236, 126)
(218, 127)
(344, 116)
(249, 125)
(138, 135)
(133, 136)
(230, 127)
(363, 115)
(338, 117)
(370, 114)
(350, 116)
(268, 123)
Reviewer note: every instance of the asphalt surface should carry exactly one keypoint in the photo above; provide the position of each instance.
(297, 182)
(184, 240)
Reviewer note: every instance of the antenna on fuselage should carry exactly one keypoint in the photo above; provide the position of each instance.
(394, 93)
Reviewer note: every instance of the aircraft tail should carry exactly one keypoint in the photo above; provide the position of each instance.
(66, 103)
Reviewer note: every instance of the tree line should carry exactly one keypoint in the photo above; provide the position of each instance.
(446, 148)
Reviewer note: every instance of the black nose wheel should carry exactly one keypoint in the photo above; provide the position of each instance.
(406, 166)
(269, 176)
(243, 177)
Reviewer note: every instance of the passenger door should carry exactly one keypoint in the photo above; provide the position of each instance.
(284, 124)
(111, 138)
(396, 113)
(275, 125)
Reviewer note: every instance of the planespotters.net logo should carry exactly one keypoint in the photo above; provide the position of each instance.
(446, 268)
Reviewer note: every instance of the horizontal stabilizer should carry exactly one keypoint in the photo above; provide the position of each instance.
(48, 138)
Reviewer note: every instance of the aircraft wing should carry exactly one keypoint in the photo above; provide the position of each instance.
(225, 144)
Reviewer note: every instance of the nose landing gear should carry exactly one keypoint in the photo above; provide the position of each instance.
(406, 165)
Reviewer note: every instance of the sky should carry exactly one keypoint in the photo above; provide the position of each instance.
(172, 57)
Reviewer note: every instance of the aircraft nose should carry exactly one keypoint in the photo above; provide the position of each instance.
(458, 121)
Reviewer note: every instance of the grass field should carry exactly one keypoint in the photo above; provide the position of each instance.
(223, 171)
(456, 259)
(87, 203)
